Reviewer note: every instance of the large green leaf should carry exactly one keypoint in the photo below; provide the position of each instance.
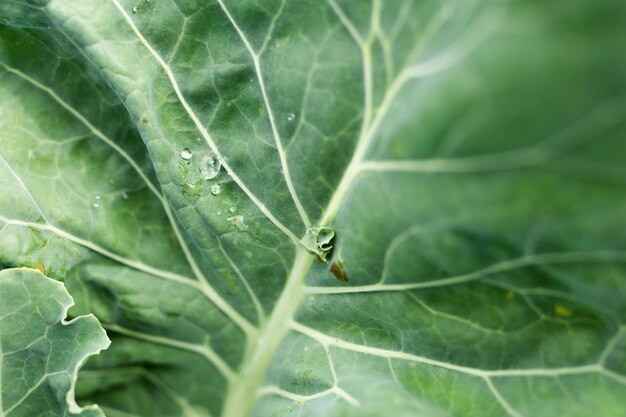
(469, 156)
(39, 352)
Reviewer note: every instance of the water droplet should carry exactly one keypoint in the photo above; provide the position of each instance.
(291, 117)
(232, 209)
(135, 9)
(237, 221)
(96, 204)
(219, 213)
(216, 189)
(98, 197)
(124, 195)
(210, 165)
(186, 154)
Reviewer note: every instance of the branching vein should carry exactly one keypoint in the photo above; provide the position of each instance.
(581, 257)
(327, 340)
(270, 113)
(202, 350)
(140, 266)
(203, 131)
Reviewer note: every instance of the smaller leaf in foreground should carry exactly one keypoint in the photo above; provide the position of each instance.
(40, 353)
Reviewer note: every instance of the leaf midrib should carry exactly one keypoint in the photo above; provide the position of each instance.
(239, 401)
(261, 351)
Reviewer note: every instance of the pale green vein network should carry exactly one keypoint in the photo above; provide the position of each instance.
(282, 321)
(184, 405)
(205, 134)
(522, 262)
(32, 389)
(476, 35)
(335, 390)
(140, 266)
(202, 350)
(206, 287)
(23, 187)
(326, 340)
(486, 375)
(29, 294)
(270, 113)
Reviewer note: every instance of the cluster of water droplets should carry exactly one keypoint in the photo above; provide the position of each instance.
(209, 167)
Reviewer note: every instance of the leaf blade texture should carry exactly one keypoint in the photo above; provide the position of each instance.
(466, 158)
(41, 352)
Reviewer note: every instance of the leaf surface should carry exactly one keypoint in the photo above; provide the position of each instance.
(468, 155)
(40, 352)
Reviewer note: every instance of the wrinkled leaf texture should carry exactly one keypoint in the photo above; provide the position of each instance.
(470, 156)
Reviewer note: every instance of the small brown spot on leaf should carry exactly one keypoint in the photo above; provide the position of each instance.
(338, 272)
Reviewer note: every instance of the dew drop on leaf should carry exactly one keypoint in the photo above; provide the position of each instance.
(98, 197)
(135, 9)
(96, 204)
(124, 195)
(216, 189)
(232, 209)
(186, 154)
(219, 213)
(210, 165)
(291, 117)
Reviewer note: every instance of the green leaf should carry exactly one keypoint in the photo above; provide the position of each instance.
(40, 352)
(182, 164)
